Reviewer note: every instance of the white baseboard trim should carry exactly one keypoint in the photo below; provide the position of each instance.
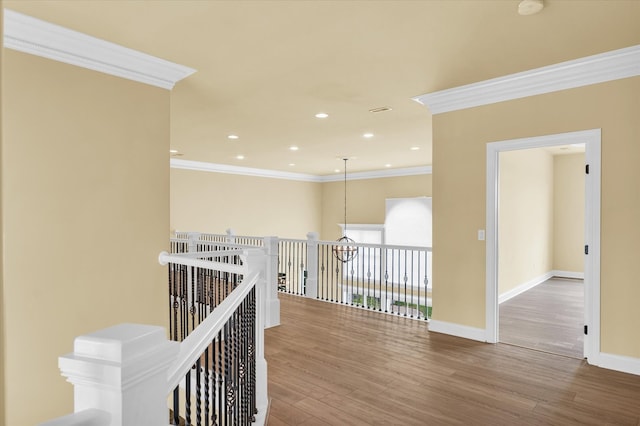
(621, 363)
(524, 287)
(458, 330)
(568, 274)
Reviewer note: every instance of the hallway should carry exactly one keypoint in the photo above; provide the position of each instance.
(548, 318)
(334, 365)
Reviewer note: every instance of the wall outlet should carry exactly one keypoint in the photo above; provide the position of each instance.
(480, 234)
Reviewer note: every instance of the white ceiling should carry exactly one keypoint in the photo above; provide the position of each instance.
(264, 68)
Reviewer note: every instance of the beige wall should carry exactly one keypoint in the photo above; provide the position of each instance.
(525, 219)
(288, 209)
(568, 219)
(366, 200)
(459, 151)
(2, 317)
(212, 202)
(86, 211)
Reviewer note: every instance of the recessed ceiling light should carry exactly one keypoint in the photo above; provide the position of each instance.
(414, 148)
(240, 157)
(233, 137)
(322, 115)
(367, 135)
(387, 165)
(292, 164)
(293, 148)
(337, 171)
(173, 151)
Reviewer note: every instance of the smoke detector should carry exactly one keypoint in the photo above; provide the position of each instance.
(530, 7)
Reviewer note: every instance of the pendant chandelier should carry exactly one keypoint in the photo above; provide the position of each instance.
(345, 251)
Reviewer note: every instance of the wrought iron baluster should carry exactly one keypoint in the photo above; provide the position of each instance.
(241, 362)
(252, 353)
(338, 281)
(236, 366)
(412, 282)
(192, 297)
(176, 406)
(393, 263)
(404, 278)
(206, 377)
(187, 402)
(183, 303)
(173, 301)
(220, 376)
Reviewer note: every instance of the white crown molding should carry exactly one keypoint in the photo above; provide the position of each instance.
(375, 174)
(608, 66)
(236, 170)
(34, 36)
(176, 163)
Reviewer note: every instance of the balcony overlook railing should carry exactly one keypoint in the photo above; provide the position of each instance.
(390, 279)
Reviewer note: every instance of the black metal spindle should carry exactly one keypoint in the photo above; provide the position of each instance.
(252, 353)
(296, 267)
(387, 275)
(198, 392)
(221, 380)
(176, 406)
(412, 282)
(337, 280)
(192, 296)
(187, 402)
(236, 364)
(183, 302)
(206, 377)
(172, 321)
(404, 278)
(377, 279)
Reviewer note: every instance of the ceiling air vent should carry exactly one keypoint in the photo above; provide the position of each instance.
(380, 109)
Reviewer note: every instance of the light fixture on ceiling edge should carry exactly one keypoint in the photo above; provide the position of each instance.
(345, 251)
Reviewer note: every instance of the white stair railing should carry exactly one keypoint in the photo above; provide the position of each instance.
(123, 375)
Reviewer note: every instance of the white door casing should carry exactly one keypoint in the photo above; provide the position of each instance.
(592, 141)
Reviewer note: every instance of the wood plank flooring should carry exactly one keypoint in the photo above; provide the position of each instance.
(334, 365)
(548, 317)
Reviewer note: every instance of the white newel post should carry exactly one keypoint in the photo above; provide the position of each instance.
(256, 261)
(122, 370)
(311, 289)
(272, 302)
(231, 235)
(193, 238)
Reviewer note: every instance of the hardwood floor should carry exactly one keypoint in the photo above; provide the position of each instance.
(334, 365)
(549, 317)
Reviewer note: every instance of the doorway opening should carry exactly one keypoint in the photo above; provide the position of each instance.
(540, 248)
(591, 286)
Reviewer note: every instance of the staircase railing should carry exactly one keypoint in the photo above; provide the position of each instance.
(213, 370)
(220, 373)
